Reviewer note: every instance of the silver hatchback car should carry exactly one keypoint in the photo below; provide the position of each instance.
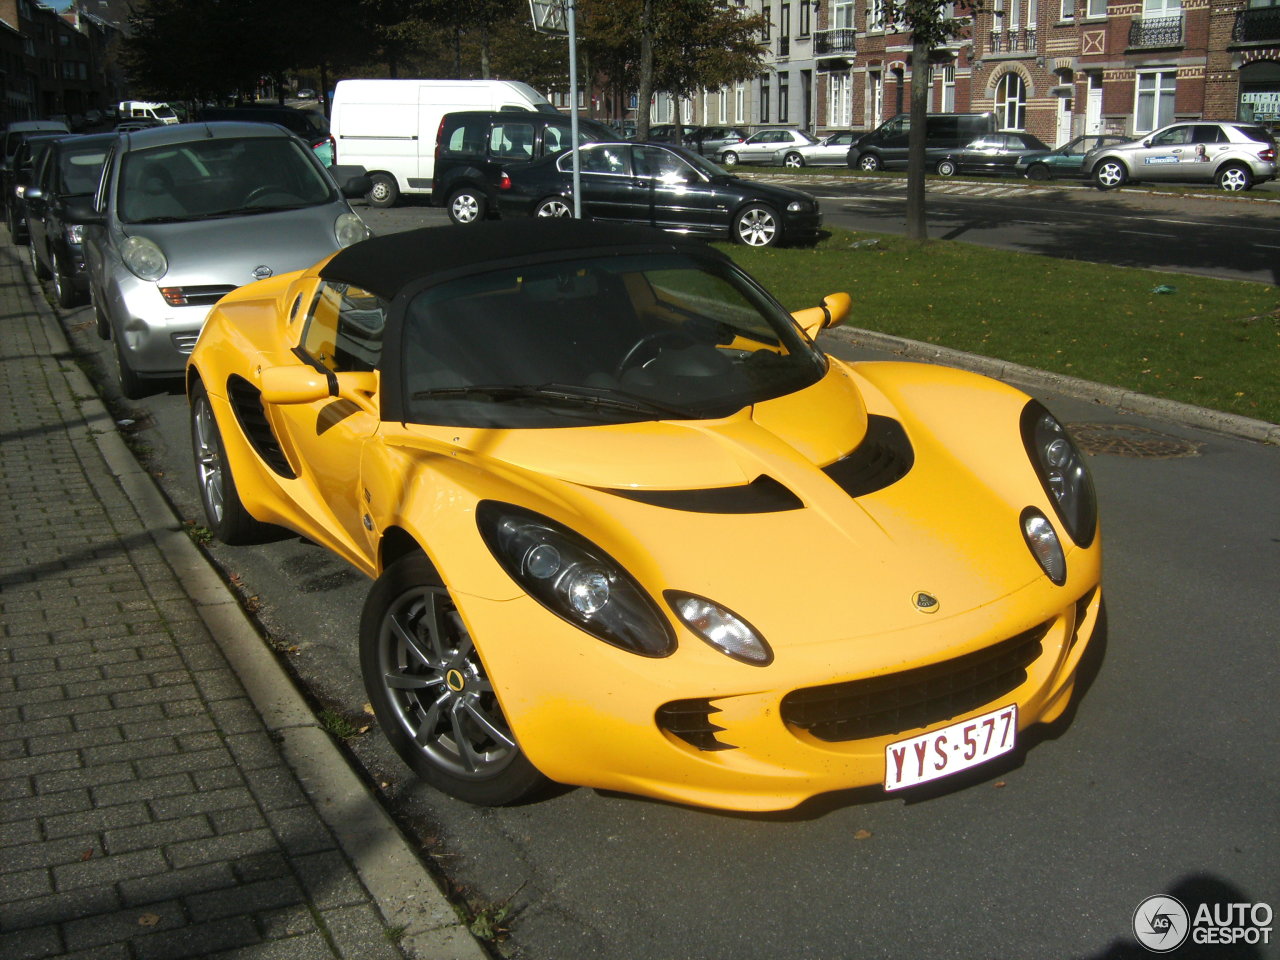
(186, 213)
(1235, 156)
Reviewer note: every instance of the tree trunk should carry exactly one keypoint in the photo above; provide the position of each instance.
(917, 228)
(645, 93)
(484, 52)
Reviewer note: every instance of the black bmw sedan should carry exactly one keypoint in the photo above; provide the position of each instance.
(664, 186)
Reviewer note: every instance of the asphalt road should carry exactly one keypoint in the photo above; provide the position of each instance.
(1162, 780)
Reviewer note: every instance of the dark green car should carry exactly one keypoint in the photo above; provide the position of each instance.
(1065, 161)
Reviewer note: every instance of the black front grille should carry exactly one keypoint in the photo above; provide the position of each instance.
(690, 720)
(884, 457)
(896, 702)
(205, 296)
(246, 401)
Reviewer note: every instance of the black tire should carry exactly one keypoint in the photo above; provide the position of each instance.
(729, 158)
(467, 205)
(1038, 171)
(38, 268)
(793, 160)
(757, 225)
(1234, 177)
(1109, 174)
(554, 207)
(132, 386)
(947, 168)
(384, 192)
(870, 163)
(431, 694)
(224, 512)
(64, 287)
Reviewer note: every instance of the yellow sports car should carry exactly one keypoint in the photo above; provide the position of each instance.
(632, 530)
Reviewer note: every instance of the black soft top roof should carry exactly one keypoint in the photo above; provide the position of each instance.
(388, 264)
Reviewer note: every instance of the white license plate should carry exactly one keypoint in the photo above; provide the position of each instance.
(941, 753)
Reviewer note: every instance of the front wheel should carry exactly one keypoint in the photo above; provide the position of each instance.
(793, 160)
(1235, 177)
(431, 693)
(384, 192)
(467, 205)
(132, 386)
(64, 287)
(553, 207)
(229, 521)
(729, 159)
(757, 226)
(869, 162)
(1037, 171)
(37, 267)
(946, 168)
(1110, 174)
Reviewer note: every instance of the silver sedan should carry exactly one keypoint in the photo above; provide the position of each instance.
(765, 146)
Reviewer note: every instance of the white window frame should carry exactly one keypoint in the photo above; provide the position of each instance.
(1011, 92)
(948, 94)
(739, 102)
(1162, 91)
(1096, 10)
(842, 14)
(875, 14)
(1067, 11)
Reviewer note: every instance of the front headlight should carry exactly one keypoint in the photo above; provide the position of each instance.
(797, 206)
(145, 260)
(721, 627)
(349, 229)
(74, 232)
(1062, 472)
(574, 579)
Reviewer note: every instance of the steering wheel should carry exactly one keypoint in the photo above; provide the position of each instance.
(649, 346)
(265, 190)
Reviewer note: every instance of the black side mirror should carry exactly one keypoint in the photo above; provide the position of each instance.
(352, 179)
(82, 211)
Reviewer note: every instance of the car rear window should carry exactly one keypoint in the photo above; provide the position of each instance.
(1256, 132)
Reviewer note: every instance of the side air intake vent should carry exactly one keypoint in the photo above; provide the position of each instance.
(884, 457)
(246, 401)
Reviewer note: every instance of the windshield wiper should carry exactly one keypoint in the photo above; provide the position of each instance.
(601, 397)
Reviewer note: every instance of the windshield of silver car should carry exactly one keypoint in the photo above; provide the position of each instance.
(220, 177)
(599, 340)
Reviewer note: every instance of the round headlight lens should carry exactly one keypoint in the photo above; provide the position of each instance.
(1044, 544)
(145, 260)
(349, 229)
(721, 628)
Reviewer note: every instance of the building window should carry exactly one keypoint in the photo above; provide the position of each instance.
(875, 14)
(784, 94)
(1011, 102)
(842, 14)
(1097, 8)
(724, 105)
(764, 99)
(948, 101)
(1159, 9)
(1154, 107)
(841, 100)
(804, 18)
(1068, 10)
(739, 103)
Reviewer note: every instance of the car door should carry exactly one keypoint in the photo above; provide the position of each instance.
(1164, 155)
(324, 440)
(833, 150)
(983, 154)
(759, 146)
(608, 191)
(38, 201)
(678, 196)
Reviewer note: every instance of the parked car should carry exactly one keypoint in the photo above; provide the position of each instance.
(605, 484)
(475, 146)
(676, 133)
(1235, 156)
(991, 153)
(187, 213)
(306, 93)
(886, 147)
(14, 134)
(831, 151)
(765, 146)
(1065, 161)
(67, 170)
(713, 141)
(663, 186)
(21, 170)
(309, 125)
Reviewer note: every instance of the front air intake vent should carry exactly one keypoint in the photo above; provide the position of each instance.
(884, 457)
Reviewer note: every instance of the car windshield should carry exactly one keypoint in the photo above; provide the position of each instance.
(79, 169)
(599, 340)
(220, 177)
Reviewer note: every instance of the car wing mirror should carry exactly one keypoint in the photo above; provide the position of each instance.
(33, 193)
(352, 179)
(82, 211)
(833, 312)
(293, 384)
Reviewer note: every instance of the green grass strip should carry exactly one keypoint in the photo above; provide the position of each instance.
(1199, 340)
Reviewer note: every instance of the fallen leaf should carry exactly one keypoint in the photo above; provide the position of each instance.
(87, 855)
(862, 835)
(999, 783)
(148, 920)
(368, 708)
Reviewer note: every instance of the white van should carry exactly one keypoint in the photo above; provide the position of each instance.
(389, 127)
(146, 110)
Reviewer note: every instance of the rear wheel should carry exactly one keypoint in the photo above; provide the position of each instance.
(553, 207)
(869, 162)
(1235, 176)
(946, 168)
(467, 205)
(384, 192)
(794, 160)
(1110, 174)
(229, 521)
(431, 692)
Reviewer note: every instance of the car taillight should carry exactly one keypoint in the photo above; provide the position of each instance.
(1268, 154)
(504, 181)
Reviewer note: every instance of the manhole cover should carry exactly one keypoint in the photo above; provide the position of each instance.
(1124, 440)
